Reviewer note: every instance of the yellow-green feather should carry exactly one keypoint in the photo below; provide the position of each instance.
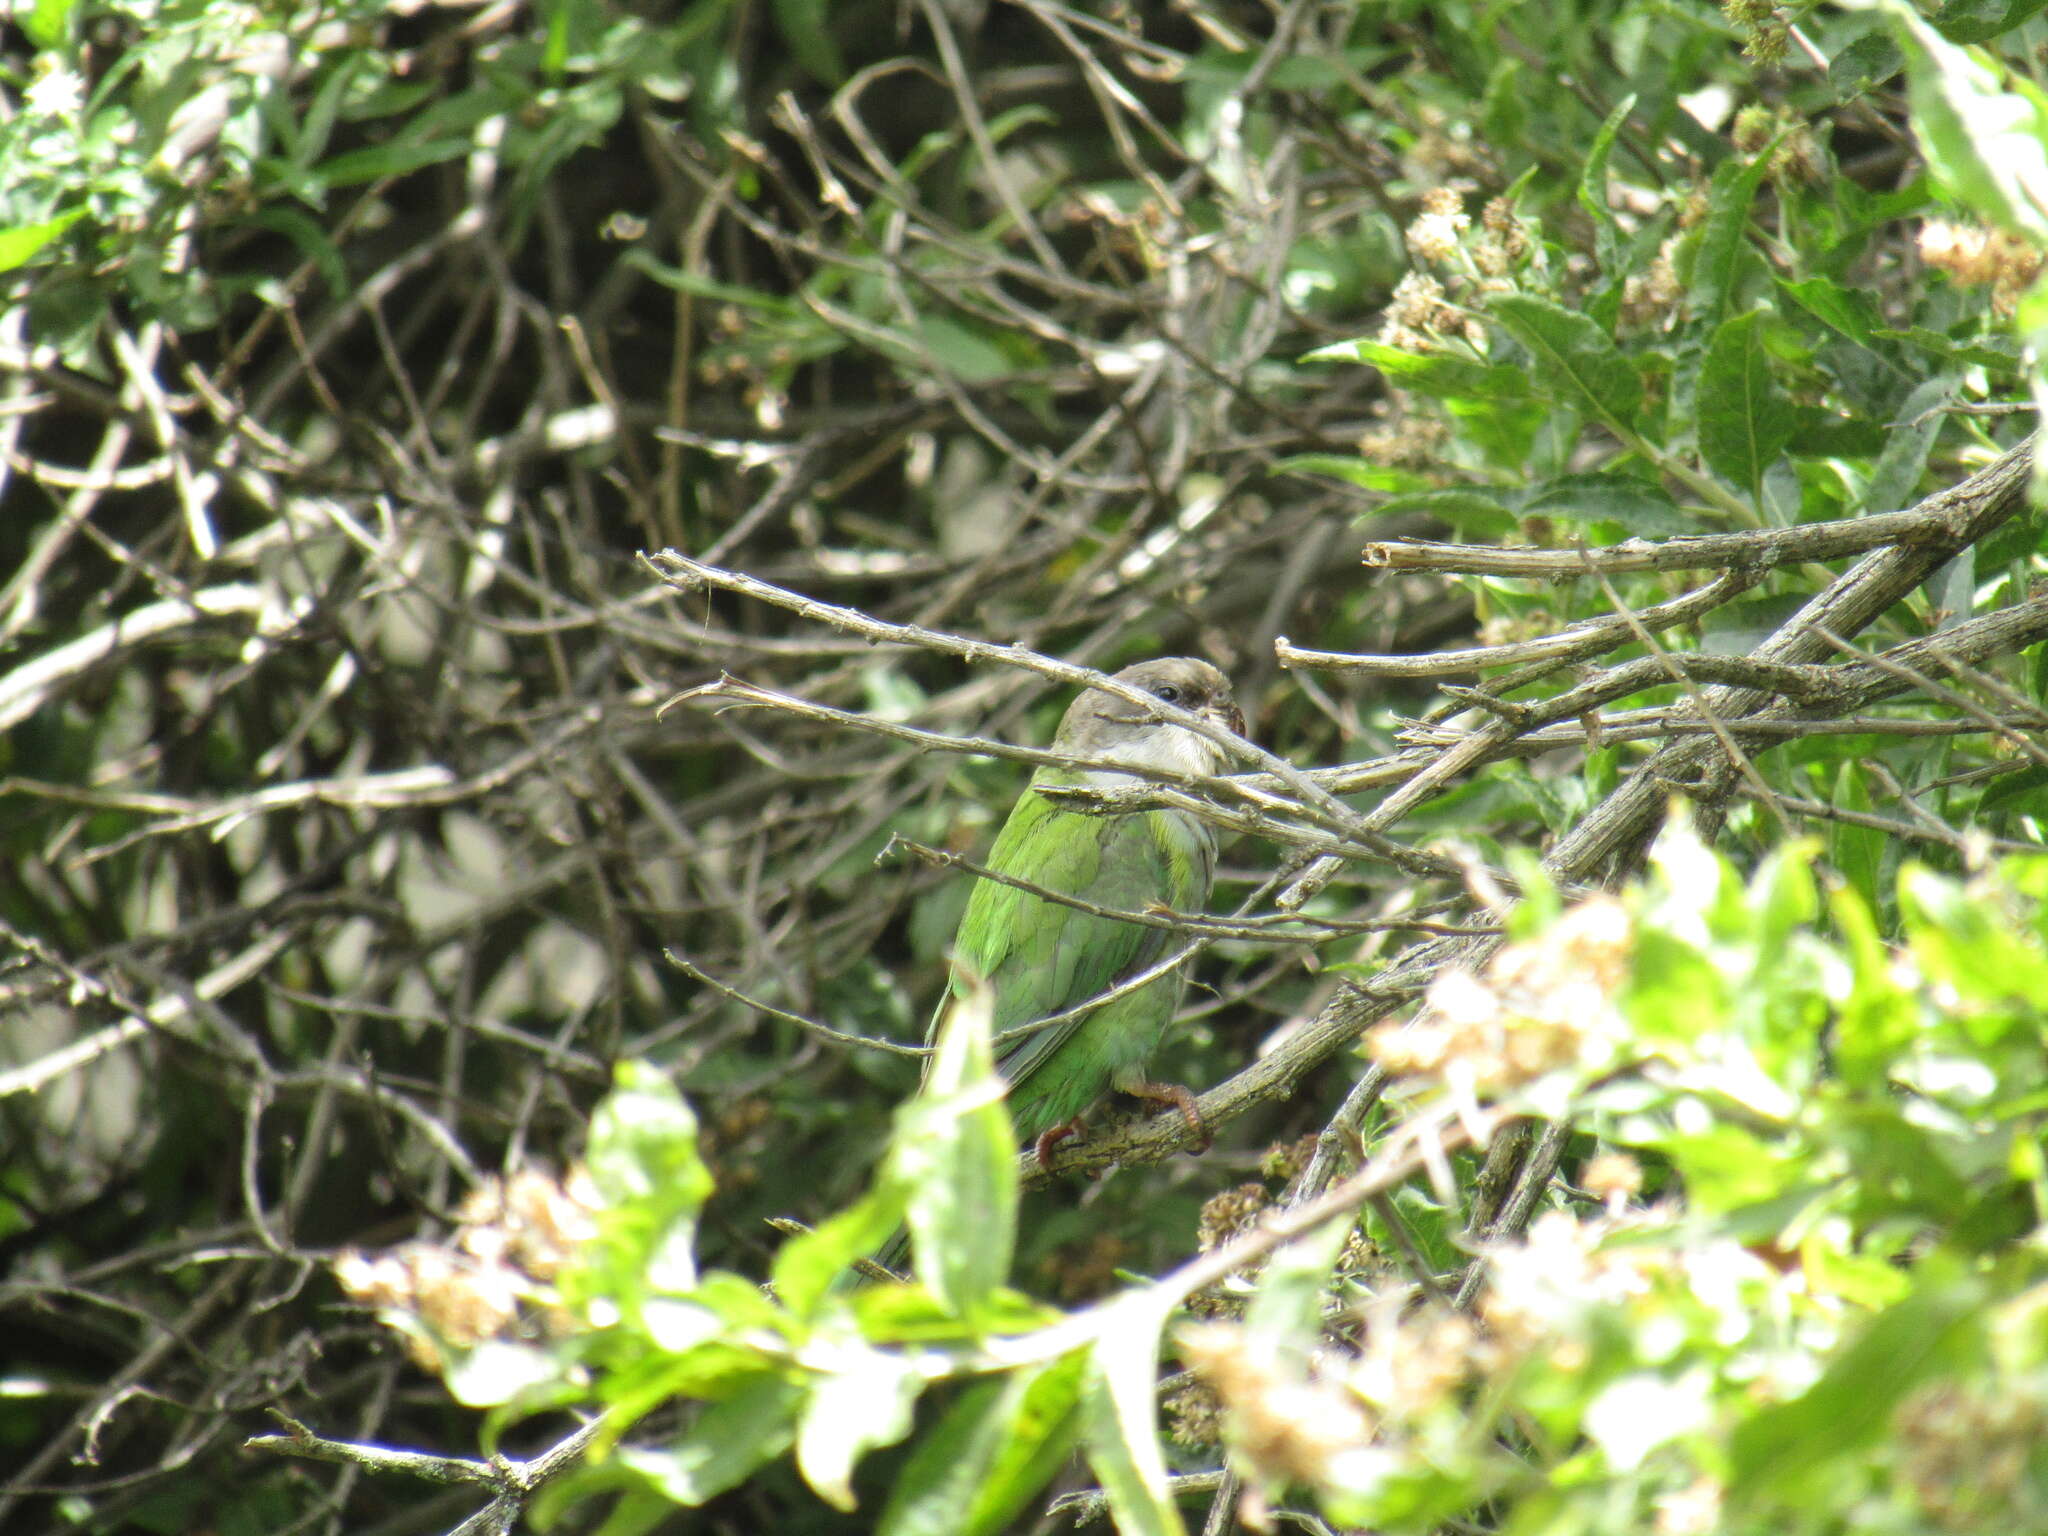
(1043, 958)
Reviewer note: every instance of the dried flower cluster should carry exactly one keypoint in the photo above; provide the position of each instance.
(1433, 237)
(1284, 1421)
(1420, 315)
(1795, 152)
(1417, 314)
(1333, 1418)
(493, 1280)
(1341, 1416)
(1402, 436)
(1542, 1005)
(1979, 257)
(1230, 1214)
(1505, 242)
(1650, 297)
(1541, 1286)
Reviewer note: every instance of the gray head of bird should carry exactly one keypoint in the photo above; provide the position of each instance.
(1101, 725)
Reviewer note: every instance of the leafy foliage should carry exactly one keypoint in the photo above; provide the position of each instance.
(1801, 1281)
(384, 951)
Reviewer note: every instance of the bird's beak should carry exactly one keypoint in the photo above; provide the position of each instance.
(1229, 716)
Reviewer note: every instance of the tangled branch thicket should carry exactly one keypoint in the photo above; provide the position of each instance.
(369, 796)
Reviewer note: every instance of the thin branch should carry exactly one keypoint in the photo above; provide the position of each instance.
(1757, 548)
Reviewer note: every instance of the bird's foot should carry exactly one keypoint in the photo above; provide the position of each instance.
(1182, 1100)
(1047, 1140)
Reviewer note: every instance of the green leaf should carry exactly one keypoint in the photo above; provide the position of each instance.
(1856, 852)
(699, 286)
(1474, 513)
(810, 1263)
(1818, 433)
(802, 24)
(312, 239)
(644, 1161)
(1745, 421)
(728, 1441)
(1123, 1431)
(1787, 1447)
(1988, 144)
(1286, 1310)
(2027, 787)
(962, 351)
(1723, 241)
(496, 1371)
(2003, 353)
(1430, 372)
(21, 244)
(1958, 939)
(1359, 472)
(1896, 475)
(1504, 431)
(1978, 21)
(999, 1444)
(1639, 506)
(1849, 311)
(1574, 358)
(354, 167)
(956, 1154)
(865, 1401)
(1869, 61)
(1593, 186)
(48, 22)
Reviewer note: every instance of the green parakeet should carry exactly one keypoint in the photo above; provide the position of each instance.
(1042, 958)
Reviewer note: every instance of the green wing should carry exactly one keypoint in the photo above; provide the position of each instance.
(1042, 958)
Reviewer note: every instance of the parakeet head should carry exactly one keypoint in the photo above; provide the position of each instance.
(1099, 724)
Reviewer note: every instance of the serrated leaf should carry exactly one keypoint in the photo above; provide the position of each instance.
(1849, 311)
(1468, 511)
(1869, 61)
(1818, 433)
(1745, 420)
(1637, 505)
(2003, 353)
(1574, 358)
(1592, 189)
(1898, 469)
(1978, 21)
(1723, 240)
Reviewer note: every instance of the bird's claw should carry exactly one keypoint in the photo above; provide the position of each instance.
(1184, 1101)
(1047, 1140)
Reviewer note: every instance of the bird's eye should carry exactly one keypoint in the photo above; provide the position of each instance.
(1168, 693)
